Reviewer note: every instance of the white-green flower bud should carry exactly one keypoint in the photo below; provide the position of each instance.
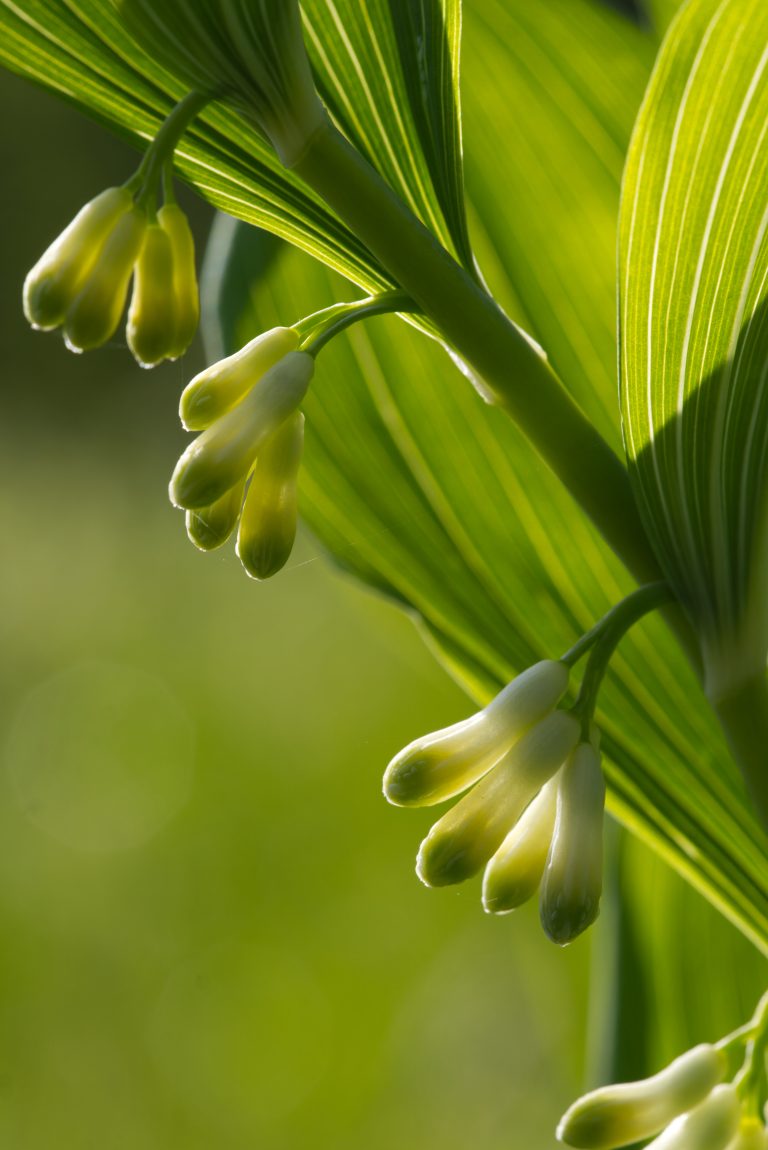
(569, 901)
(174, 223)
(220, 387)
(441, 765)
(267, 529)
(463, 840)
(152, 314)
(709, 1126)
(615, 1116)
(251, 54)
(514, 873)
(210, 527)
(224, 453)
(94, 314)
(58, 275)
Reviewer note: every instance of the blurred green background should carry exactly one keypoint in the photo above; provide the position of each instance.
(211, 932)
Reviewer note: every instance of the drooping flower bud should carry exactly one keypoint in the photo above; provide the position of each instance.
(152, 314)
(186, 296)
(218, 388)
(267, 529)
(210, 527)
(95, 312)
(58, 275)
(709, 1126)
(620, 1115)
(463, 840)
(252, 55)
(223, 454)
(514, 873)
(441, 765)
(573, 877)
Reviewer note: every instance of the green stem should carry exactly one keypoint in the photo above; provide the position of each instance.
(169, 192)
(620, 618)
(333, 320)
(737, 1038)
(605, 638)
(749, 1081)
(165, 142)
(516, 376)
(743, 714)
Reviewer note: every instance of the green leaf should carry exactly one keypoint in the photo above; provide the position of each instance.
(434, 498)
(701, 979)
(663, 12)
(670, 971)
(396, 96)
(389, 73)
(693, 284)
(543, 187)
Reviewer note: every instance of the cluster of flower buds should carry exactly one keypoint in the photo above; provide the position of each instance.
(534, 815)
(80, 284)
(245, 463)
(687, 1106)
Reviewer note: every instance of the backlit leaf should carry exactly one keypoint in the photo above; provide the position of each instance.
(435, 499)
(370, 75)
(694, 347)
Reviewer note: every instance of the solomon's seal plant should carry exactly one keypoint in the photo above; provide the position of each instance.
(505, 514)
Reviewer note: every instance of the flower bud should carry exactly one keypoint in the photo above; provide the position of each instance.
(58, 275)
(441, 765)
(224, 453)
(94, 314)
(463, 840)
(152, 314)
(514, 873)
(268, 522)
(186, 297)
(220, 387)
(210, 527)
(709, 1126)
(573, 877)
(620, 1115)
